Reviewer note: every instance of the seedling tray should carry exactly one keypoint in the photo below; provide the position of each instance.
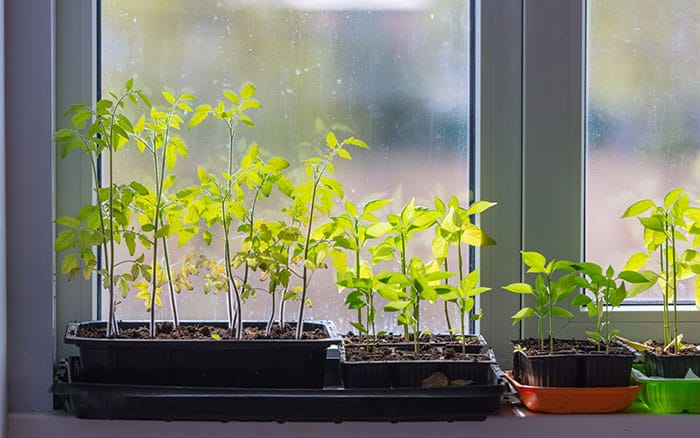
(569, 400)
(334, 404)
(587, 370)
(411, 373)
(271, 363)
(668, 395)
(670, 366)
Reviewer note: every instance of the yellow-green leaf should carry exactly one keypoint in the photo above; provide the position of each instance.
(638, 208)
(331, 140)
(519, 288)
(636, 262)
(479, 207)
(248, 91)
(168, 97)
(140, 124)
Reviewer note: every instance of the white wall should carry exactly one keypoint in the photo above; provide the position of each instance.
(29, 202)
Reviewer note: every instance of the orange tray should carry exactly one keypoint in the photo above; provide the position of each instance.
(566, 400)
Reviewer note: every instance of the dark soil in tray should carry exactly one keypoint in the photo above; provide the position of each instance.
(689, 350)
(166, 330)
(360, 353)
(569, 346)
(390, 338)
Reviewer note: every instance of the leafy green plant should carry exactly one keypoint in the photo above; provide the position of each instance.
(463, 296)
(221, 200)
(271, 256)
(550, 288)
(607, 291)
(157, 136)
(400, 229)
(668, 229)
(311, 197)
(349, 234)
(456, 230)
(101, 131)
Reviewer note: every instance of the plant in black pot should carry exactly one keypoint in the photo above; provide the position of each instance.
(418, 358)
(671, 232)
(609, 362)
(599, 361)
(569, 375)
(220, 206)
(535, 361)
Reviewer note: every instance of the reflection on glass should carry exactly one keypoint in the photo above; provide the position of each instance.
(642, 110)
(395, 73)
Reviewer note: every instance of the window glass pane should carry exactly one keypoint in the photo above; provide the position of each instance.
(643, 112)
(396, 73)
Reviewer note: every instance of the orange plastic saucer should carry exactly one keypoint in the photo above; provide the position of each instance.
(566, 400)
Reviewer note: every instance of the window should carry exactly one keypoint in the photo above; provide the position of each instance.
(642, 117)
(529, 135)
(396, 73)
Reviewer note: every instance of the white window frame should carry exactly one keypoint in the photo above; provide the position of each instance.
(529, 110)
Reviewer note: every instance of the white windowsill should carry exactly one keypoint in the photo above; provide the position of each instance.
(59, 425)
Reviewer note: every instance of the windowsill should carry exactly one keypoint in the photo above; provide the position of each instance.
(505, 423)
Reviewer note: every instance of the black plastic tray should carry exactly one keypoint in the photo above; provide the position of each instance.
(573, 370)
(276, 363)
(329, 404)
(672, 366)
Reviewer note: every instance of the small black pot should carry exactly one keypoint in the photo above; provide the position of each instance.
(412, 373)
(671, 366)
(275, 363)
(590, 369)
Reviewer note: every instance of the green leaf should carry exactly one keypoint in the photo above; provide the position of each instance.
(638, 288)
(581, 300)
(68, 221)
(396, 306)
(672, 196)
(534, 260)
(342, 153)
(519, 288)
(632, 277)
(248, 91)
(654, 223)
(636, 262)
(331, 140)
(475, 236)
(479, 207)
(197, 118)
(638, 208)
(525, 312)
(130, 239)
(379, 229)
(168, 97)
(139, 188)
(440, 248)
(70, 262)
(356, 142)
(374, 205)
(64, 241)
(560, 311)
(207, 236)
